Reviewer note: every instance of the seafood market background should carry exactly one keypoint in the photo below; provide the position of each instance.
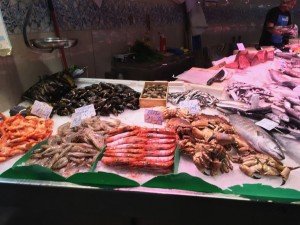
(138, 151)
(106, 31)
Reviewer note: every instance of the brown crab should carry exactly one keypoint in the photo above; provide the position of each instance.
(212, 159)
(260, 164)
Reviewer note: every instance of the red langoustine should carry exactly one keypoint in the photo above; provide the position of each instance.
(152, 149)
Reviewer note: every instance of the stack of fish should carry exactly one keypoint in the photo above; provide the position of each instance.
(75, 149)
(151, 149)
(204, 99)
(276, 102)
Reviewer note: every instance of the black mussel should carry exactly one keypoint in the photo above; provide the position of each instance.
(129, 106)
(107, 85)
(104, 113)
(63, 112)
(94, 86)
(120, 107)
(115, 111)
(105, 94)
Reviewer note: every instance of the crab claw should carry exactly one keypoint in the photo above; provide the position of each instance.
(256, 176)
(249, 172)
(222, 138)
(285, 175)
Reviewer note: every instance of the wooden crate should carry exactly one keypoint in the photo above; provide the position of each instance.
(152, 102)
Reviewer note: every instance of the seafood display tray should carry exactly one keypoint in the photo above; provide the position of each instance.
(144, 200)
(152, 102)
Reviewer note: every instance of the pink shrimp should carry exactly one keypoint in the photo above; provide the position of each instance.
(153, 147)
(121, 135)
(161, 152)
(156, 135)
(125, 146)
(160, 141)
(128, 140)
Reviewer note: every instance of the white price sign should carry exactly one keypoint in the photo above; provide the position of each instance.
(241, 46)
(191, 105)
(82, 113)
(41, 109)
(267, 124)
(87, 111)
(76, 120)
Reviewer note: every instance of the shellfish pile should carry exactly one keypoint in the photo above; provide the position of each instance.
(150, 149)
(209, 140)
(18, 134)
(75, 149)
(107, 98)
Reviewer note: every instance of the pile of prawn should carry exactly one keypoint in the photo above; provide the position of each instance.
(18, 134)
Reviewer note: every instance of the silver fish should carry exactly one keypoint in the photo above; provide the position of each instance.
(292, 73)
(256, 136)
(287, 105)
(273, 117)
(295, 133)
(285, 55)
(277, 76)
(280, 112)
(293, 113)
(296, 107)
(233, 105)
(294, 101)
(292, 146)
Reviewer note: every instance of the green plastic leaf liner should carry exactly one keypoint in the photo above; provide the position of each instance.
(182, 181)
(102, 179)
(262, 192)
(33, 172)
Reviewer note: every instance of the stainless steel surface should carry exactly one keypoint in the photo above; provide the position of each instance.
(53, 43)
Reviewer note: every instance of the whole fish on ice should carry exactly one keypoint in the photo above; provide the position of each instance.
(256, 136)
(292, 146)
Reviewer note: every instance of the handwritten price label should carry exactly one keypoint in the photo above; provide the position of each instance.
(41, 109)
(87, 111)
(82, 113)
(76, 120)
(191, 105)
(267, 124)
(153, 116)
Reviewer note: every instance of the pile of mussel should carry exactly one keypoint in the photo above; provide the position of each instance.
(107, 98)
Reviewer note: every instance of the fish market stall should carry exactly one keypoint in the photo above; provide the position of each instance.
(164, 143)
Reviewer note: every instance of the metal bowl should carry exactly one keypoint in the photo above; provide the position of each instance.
(53, 43)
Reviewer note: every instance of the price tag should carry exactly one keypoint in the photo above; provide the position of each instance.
(41, 109)
(191, 105)
(241, 46)
(267, 124)
(153, 116)
(87, 111)
(76, 120)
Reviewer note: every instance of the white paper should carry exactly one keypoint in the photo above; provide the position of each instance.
(41, 109)
(76, 120)
(87, 111)
(267, 124)
(241, 46)
(191, 105)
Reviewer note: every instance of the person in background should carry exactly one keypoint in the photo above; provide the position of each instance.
(278, 16)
